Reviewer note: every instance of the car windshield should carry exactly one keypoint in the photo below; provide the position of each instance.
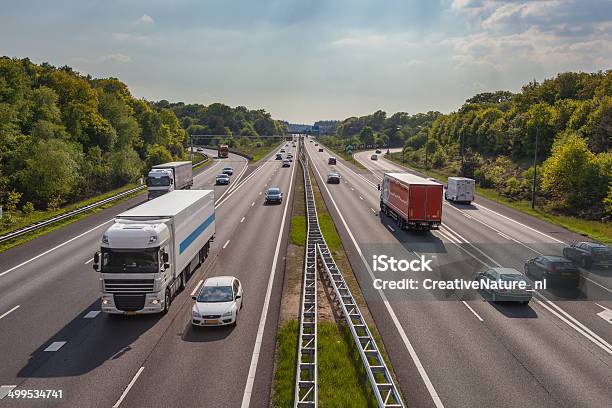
(273, 191)
(210, 294)
(158, 181)
(563, 265)
(602, 251)
(227, 168)
(130, 260)
(508, 277)
(222, 176)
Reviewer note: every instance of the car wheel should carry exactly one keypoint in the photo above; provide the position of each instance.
(585, 262)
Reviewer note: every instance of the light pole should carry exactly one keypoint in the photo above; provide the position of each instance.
(535, 169)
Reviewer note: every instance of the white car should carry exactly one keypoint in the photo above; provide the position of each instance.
(218, 302)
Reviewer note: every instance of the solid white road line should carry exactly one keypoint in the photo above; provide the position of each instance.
(196, 287)
(360, 197)
(226, 243)
(91, 314)
(415, 358)
(373, 210)
(248, 389)
(472, 310)
(127, 389)
(56, 345)
(242, 220)
(9, 312)
(260, 193)
(391, 228)
(54, 248)
(253, 203)
(5, 389)
(91, 260)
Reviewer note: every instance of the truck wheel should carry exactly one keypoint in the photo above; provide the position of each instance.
(167, 301)
(183, 280)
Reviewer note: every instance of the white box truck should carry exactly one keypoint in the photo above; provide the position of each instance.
(167, 177)
(148, 254)
(460, 190)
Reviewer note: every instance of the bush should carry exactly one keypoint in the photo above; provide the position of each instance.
(439, 158)
(28, 208)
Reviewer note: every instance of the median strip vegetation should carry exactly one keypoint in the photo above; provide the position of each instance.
(342, 378)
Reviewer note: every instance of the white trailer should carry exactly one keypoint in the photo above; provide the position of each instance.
(167, 177)
(460, 190)
(148, 254)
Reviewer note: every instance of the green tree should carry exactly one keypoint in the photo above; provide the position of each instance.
(157, 154)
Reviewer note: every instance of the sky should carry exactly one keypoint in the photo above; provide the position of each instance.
(308, 60)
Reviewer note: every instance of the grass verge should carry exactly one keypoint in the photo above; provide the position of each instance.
(596, 230)
(42, 231)
(342, 378)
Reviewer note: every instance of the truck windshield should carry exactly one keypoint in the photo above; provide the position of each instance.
(158, 181)
(131, 260)
(216, 294)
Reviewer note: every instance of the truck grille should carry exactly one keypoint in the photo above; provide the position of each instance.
(129, 303)
(130, 286)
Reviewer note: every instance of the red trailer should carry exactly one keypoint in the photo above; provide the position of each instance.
(414, 202)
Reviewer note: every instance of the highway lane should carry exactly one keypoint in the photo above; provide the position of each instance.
(101, 358)
(57, 287)
(513, 357)
(514, 237)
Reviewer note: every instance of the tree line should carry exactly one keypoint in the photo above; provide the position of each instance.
(492, 138)
(65, 136)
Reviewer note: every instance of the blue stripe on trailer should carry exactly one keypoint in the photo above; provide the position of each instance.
(196, 233)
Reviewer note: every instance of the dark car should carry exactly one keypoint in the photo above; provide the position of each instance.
(378, 151)
(274, 195)
(333, 178)
(587, 254)
(222, 179)
(555, 269)
(279, 156)
(286, 163)
(228, 170)
(320, 149)
(331, 160)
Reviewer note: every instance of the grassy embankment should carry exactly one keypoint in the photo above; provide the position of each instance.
(21, 220)
(596, 230)
(342, 379)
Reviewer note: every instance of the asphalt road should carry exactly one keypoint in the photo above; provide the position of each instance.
(454, 349)
(52, 296)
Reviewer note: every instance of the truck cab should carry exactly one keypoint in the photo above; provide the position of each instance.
(160, 182)
(134, 262)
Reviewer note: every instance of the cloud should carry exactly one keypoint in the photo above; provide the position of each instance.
(130, 37)
(145, 19)
(121, 58)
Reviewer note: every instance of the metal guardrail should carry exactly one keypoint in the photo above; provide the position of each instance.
(306, 390)
(381, 381)
(37, 225)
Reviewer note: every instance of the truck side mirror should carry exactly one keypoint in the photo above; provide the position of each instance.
(96, 261)
(166, 258)
(379, 187)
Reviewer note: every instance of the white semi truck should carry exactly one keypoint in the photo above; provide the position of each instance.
(148, 254)
(460, 190)
(167, 177)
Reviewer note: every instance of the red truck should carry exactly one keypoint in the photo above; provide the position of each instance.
(412, 201)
